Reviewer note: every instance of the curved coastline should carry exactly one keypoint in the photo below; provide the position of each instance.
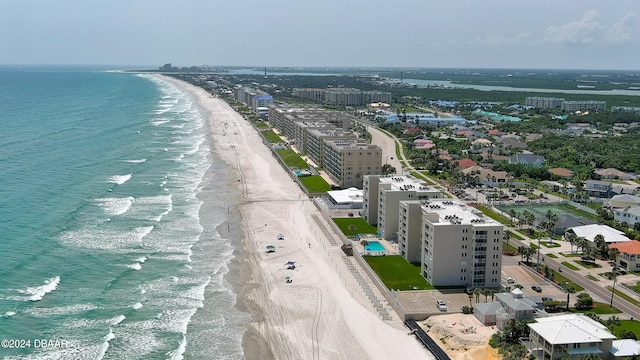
(320, 314)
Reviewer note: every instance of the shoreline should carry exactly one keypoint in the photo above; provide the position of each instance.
(322, 313)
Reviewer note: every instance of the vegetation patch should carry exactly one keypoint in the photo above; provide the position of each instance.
(624, 296)
(292, 159)
(396, 273)
(598, 308)
(271, 136)
(550, 244)
(570, 265)
(592, 278)
(492, 214)
(355, 225)
(588, 264)
(315, 183)
(553, 256)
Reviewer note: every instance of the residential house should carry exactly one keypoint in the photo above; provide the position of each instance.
(527, 159)
(511, 305)
(629, 215)
(561, 172)
(623, 201)
(597, 188)
(628, 255)
(568, 336)
(612, 173)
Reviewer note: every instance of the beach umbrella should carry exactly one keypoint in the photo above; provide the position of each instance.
(290, 263)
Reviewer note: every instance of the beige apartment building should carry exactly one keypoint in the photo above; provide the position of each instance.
(382, 195)
(459, 246)
(347, 161)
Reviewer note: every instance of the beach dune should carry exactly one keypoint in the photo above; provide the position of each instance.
(322, 313)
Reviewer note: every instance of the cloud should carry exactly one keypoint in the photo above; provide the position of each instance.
(624, 31)
(590, 31)
(581, 32)
(500, 40)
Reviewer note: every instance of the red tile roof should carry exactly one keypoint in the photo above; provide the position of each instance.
(465, 163)
(627, 247)
(562, 172)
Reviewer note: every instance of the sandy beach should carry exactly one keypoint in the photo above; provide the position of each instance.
(322, 313)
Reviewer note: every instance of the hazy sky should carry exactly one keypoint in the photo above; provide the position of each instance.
(576, 34)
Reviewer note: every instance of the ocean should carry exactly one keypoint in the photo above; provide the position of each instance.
(116, 221)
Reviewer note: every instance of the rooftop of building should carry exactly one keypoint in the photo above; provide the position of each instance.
(405, 182)
(453, 212)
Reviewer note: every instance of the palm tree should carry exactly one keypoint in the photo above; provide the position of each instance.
(512, 214)
(492, 293)
(612, 322)
(613, 255)
(570, 290)
(571, 238)
(485, 292)
(506, 237)
(477, 292)
(600, 243)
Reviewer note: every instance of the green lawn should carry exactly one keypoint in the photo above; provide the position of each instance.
(598, 308)
(553, 256)
(292, 159)
(570, 265)
(494, 215)
(315, 183)
(396, 273)
(361, 226)
(271, 136)
(624, 296)
(630, 325)
(592, 278)
(588, 264)
(558, 278)
(260, 124)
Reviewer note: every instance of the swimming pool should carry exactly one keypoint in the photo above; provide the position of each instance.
(374, 246)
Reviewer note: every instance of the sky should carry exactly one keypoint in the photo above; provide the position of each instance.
(534, 34)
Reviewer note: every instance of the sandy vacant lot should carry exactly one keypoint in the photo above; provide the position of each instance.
(463, 337)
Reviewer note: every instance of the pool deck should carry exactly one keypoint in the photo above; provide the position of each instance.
(389, 247)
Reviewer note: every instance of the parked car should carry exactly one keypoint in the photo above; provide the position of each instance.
(442, 306)
(587, 258)
(545, 299)
(536, 288)
(468, 291)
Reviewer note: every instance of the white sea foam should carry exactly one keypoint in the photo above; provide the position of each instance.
(9, 313)
(120, 179)
(138, 161)
(105, 345)
(116, 206)
(42, 312)
(179, 352)
(135, 266)
(117, 320)
(136, 306)
(37, 293)
(159, 122)
(105, 239)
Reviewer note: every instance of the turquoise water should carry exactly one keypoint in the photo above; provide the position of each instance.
(107, 242)
(375, 246)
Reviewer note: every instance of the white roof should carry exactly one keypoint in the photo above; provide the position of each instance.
(625, 347)
(570, 329)
(589, 232)
(346, 196)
